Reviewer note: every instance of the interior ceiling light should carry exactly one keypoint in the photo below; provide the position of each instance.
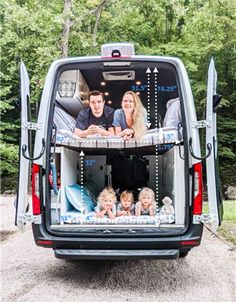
(138, 83)
(120, 63)
(106, 93)
(119, 75)
(103, 83)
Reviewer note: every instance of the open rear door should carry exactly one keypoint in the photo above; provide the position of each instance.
(22, 201)
(212, 167)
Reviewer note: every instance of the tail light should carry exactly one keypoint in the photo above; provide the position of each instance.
(35, 190)
(190, 243)
(197, 198)
(44, 243)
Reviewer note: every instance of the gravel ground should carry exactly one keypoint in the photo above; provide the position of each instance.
(30, 273)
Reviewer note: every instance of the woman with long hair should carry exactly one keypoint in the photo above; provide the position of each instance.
(130, 120)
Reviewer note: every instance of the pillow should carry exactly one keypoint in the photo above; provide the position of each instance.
(92, 190)
(63, 120)
(74, 196)
(72, 105)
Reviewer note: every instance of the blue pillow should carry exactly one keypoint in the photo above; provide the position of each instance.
(74, 196)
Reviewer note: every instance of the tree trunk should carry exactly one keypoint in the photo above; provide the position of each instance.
(98, 13)
(66, 28)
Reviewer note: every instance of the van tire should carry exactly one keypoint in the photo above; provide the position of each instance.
(183, 254)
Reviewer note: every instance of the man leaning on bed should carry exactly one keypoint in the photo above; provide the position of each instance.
(96, 119)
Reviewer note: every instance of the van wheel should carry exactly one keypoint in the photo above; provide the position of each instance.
(183, 254)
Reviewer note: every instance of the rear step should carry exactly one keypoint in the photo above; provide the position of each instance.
(115, 254)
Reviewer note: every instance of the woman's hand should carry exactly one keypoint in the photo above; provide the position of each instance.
(127, 134)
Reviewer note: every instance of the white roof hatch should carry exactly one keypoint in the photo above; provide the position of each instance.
(117, 50)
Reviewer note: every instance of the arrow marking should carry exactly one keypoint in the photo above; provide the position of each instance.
(82, 174)
(148, 72)
(155, 71)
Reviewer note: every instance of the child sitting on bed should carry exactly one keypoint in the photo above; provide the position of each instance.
(126, 206)
(146, 204)
(106, 204)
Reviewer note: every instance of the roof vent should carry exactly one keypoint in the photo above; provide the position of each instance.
(118, 75)
(117, 50)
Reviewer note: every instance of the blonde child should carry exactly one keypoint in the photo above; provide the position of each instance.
(106, 203)
(126, 206)
(146, 204)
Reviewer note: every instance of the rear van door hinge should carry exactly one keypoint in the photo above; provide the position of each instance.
(204, 218)
(200, 124)
(33, 126)
(32, 219)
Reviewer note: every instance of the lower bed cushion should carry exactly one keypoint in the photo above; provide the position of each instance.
(74, 217)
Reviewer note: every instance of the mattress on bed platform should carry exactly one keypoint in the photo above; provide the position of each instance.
(151, 138)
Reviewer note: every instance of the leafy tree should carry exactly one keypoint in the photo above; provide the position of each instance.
(34, 31)
(30, 31)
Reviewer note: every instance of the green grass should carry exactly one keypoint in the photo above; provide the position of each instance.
(228, 231)
(228, 225)
(229, 210)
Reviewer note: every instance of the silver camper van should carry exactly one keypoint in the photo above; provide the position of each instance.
(66, 172)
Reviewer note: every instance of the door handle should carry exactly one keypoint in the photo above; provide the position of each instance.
(24, 148)
(209, 148)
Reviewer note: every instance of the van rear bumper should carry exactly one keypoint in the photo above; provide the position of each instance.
(87, 254)
(101, 247)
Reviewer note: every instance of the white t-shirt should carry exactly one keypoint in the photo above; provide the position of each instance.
(173, 113)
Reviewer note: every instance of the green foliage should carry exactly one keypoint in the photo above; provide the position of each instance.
(192, 30)
(8, 166)
(8, 154)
